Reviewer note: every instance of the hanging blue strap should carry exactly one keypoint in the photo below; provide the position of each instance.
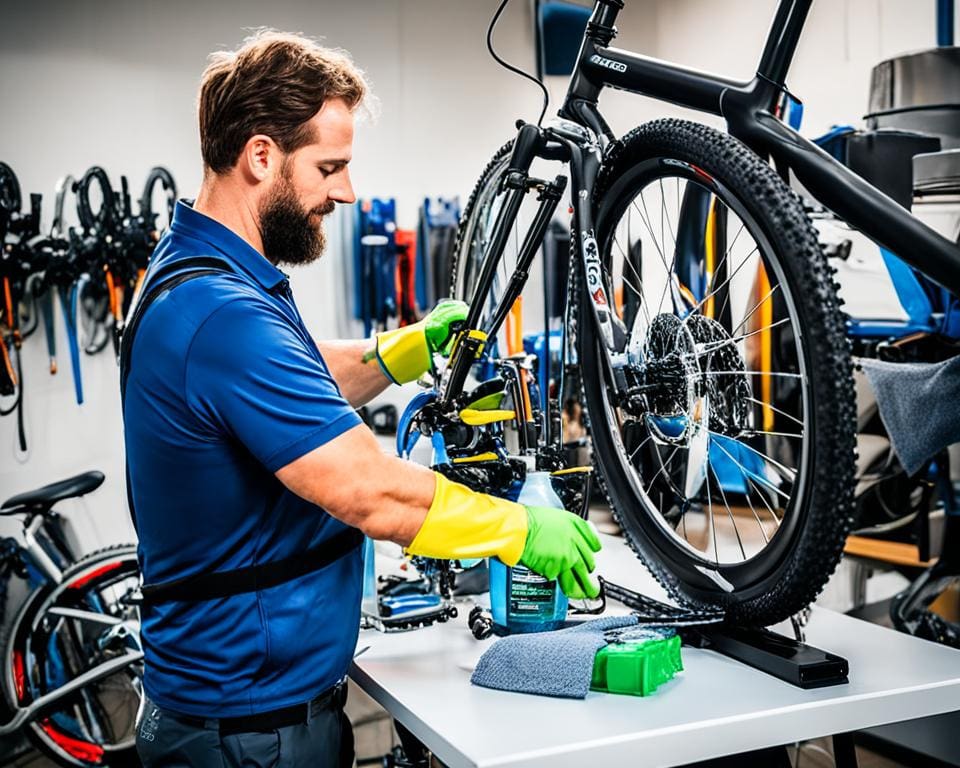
(69, 298)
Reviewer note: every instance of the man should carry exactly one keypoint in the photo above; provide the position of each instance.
(250, 474)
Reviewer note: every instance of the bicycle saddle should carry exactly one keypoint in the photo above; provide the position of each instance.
(43, 498)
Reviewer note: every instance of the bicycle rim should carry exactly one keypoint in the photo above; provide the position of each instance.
(49, 647)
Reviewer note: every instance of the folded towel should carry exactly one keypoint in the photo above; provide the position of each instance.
(920, 406)
(547, 663)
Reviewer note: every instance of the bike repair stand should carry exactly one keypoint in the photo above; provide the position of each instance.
(785, 658)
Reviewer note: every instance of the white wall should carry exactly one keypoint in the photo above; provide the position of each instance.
(114, 83)
(842, 40)
(106, 82)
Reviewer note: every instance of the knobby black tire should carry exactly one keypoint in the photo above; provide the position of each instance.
(460, 263)
(815, 546)
(26, 617)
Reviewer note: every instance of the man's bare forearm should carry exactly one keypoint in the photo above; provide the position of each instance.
(354, 369)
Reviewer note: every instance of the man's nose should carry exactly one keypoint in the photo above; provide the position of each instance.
(343, 191)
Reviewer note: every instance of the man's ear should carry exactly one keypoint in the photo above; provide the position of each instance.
(260, 158)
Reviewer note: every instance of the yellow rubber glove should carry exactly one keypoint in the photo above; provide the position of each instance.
(464, 524)
(405, 354)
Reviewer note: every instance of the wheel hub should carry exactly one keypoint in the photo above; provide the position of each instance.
(692, 380)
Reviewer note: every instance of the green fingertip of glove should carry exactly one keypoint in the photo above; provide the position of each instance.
(560, 546)
(437, 324)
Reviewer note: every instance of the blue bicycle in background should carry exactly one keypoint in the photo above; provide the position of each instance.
(72, 662)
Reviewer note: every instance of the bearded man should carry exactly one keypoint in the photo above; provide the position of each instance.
(251, 478)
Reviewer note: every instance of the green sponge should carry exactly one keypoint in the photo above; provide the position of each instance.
(637, 661)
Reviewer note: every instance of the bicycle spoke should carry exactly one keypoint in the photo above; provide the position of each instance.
(723, 496)
(720, 287)
(766, 483)
(755, 308)
(633, 269)
(663, 465)
(753, 373)
(788, 472)
(712, 526)
(726, 255)
(668, 283)
(763, 531)
(646, 222)
(624, 277)
(764, 500)
(664, 214)
(636, 450)
(642, 300)
(777, 410)
(715, 345)
(755, 432)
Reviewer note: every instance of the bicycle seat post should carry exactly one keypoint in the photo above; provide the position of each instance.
(34, 549)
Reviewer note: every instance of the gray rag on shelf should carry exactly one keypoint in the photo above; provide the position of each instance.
(919, 405)
(547, 663)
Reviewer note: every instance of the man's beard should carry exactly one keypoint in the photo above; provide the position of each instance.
(289, 236)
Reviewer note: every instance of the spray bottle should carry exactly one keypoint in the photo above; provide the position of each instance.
(521, 600)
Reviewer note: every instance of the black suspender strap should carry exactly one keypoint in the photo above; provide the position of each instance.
(208, 586)
(166, 278)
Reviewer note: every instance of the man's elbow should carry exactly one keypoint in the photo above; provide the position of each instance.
(363, 508)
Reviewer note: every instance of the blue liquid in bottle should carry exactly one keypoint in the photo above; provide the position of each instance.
(369, 600)
(521, 600)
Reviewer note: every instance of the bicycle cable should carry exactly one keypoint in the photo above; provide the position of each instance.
(515, 70)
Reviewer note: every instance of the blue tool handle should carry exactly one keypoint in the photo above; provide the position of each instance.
(69, 298)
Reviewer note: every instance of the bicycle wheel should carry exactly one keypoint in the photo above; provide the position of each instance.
(727, 440)
(9, 189)
(63, 631)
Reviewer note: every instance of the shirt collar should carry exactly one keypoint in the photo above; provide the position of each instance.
(192, 223)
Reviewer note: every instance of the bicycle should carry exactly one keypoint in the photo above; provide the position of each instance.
(702, 321)
(72, 662)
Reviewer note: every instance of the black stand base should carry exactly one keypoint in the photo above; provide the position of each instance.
(783, 657)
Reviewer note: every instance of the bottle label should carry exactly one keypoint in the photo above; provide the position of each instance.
(532, 597)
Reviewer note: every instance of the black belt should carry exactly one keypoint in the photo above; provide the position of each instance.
(263, 722)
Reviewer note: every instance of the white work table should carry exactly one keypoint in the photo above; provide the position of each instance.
(716, 707)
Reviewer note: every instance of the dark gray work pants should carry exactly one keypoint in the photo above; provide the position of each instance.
(169, 740)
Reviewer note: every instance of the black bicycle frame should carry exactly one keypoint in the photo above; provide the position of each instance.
(747, 108)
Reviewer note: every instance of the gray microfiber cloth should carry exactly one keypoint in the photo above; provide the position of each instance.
(920, 406)
(547, 663)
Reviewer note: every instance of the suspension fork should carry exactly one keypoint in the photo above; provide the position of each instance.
(471, 340)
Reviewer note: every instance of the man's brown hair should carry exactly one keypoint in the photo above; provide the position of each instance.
(273, 84)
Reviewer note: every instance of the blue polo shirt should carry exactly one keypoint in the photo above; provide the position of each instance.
(226, 387)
